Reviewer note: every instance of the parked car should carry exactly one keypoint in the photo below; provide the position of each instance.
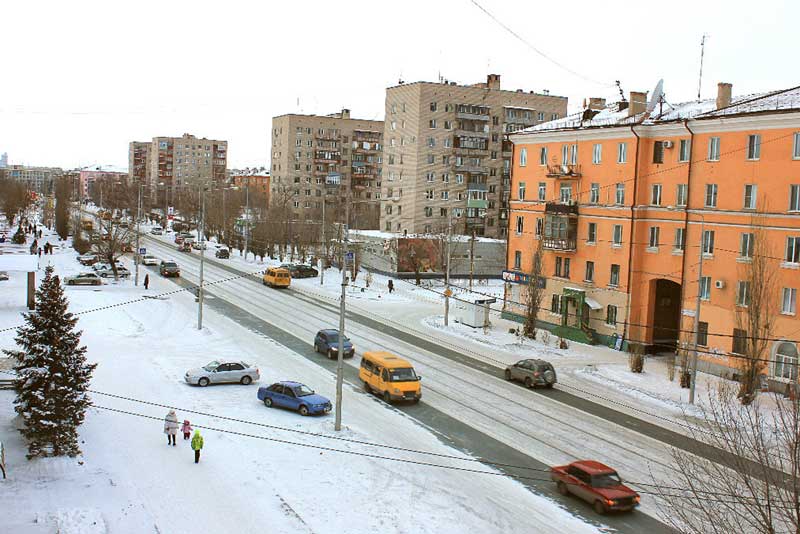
(217, 372)
(327, 342)
(197, 245)
(3, 275)
(84, 279)
(532, 373)
(157, 230)
(88, 259)
(299, 270)
(169, 268)
(149, 259)
(122, 272)
(223, 253)
(295, 396)
(595, 483)
(101, 267)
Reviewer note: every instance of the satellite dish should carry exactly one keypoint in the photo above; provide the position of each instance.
(658, 92)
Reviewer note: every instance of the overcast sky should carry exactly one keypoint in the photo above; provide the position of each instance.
(81, 79)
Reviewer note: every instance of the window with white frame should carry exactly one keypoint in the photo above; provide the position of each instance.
(789, 301)
(597, 153)
(616, 235)
(750, 191)
(594, 193)
(589, 276)
(753, 147)
(705, 287)
(543, 155)
(564, 154)
(685, 151)
(794, 197)
(786, 361)
(520, 224)
(542, 191)
(796, 146)
(655, 195)
(555, 304)
(620, 194)
(746, 245)
(517, 259)
(654, 234)
(523, 157)
(622, 152)
(613, 279)
(708, 242)
(711, 195)
(713, 148)
(743, 293)
(445, 195)
(591, 233)
(680, 239)
(573, 154)
(565, 193)
(792, 250)
(681, 193)
(520, 190)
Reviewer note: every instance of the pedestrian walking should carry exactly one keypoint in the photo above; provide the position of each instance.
(391, 286)
(186, 428)
(146, 281)
(40, 252)
(40, 234)
(171, 427)
(197, 445)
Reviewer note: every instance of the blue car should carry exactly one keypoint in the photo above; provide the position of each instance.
(327, 342)
(295, 396)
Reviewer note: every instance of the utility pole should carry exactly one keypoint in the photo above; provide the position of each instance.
(202, 257)
(322, 261)
(471, 258)
(340, 356)
(697, 310)
(447, 291)
(246, 217)
(138, 217)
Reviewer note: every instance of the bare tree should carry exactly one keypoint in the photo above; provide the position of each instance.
(113, 241)
(534, 294)
(753, 485)
(14, 198)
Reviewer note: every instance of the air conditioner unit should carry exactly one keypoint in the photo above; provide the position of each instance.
(719, 284)
(666, 144)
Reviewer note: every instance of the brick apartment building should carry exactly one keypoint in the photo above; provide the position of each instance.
(446, 154)
(256, 179)
(306, 148)
(625, 202)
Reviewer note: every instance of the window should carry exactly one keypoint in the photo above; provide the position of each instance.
(750, 196)
(431, 159)
(794, 197)
(680, 194)
(543, 155)
(542, 191)
(558, 266)
(796, 148)
(562, 267)
(597, 153)
(655, 195)
(523, 157)
(739, 341)
(680, 239)
(573, 155)
(594, 193)
(658, 152)
(705, 287)
(711, 195)
(753, 147)
(564, 154)
(789, 301)
(520, 224)
(708, 242)
(432, 123)
(565, 193)
(743, 293)
(713, 149)
(433, 106)
(613, 280)
(622, 152)
(539, 227)
(702, 333)
(517, 259)
(611, 315)
(555, 304)
(685, 151)
(620, 194)
(792, 250)
(746, 245)
(591, 234)
(616, 236)
(589, 277)
(447, 125)
(445, 195)
(654, 232)
(520, 189)
(786, 361)
(428, 211)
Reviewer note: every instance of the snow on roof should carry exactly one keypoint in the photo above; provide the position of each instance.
(247, 171)
(519, 107)
(783, 100)
(105, 168)
(379, 234)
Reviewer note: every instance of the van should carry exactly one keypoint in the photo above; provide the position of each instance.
(390, 376)
(277, 277)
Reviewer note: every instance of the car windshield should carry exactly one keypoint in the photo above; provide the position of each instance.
(403, 374)
(334, 338)
(211, 366)
(302, 391)
(606, 480)
(170, 264)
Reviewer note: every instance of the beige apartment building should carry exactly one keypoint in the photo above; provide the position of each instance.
(447, 156)
(307, 148)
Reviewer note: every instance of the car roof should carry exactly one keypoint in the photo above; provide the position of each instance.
(329, 331)
(290, 383)
(593, 467)
(386, 359)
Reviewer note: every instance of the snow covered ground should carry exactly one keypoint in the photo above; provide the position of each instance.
(129, 480)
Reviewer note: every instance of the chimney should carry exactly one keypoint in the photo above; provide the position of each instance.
(638, 103)
(493, 82)
(724, 91)
(597, 103)
(345, 113)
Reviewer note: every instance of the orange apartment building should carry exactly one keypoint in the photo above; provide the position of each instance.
(626, 198)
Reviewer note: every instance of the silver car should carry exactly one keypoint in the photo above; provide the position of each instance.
(532, 373)
(218, 372)
(84, 279)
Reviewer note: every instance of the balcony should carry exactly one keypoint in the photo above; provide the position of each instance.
(477, 203)
(564, 171)
(476, 186)
(557, 208)
(472, 133)
(475, 222)
(564, 244)
(472, 116)
(472, 169)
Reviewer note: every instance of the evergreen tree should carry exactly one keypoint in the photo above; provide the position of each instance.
(19, 237)
(52, 374)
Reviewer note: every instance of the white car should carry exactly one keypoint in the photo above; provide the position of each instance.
(157, 230)
(149, 259)
(197, 245)
(217, 372)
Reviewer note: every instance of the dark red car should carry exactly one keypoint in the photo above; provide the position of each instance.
(595, 483)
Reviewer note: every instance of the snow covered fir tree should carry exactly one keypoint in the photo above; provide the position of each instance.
(52, 374)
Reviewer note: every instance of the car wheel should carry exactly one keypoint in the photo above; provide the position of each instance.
(316, 347)
(203, 382)
(563, 489)
(600, 507)
(246, 380)
(71, 283)
(267, 402)
(528, 382)
(303, 409)
(366, 387)
(508, 374)
(330, 354)
(550, 386)
(387, 398)
(98, 283)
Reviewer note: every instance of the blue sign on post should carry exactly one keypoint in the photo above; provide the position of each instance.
(142, 251)
(350, 256)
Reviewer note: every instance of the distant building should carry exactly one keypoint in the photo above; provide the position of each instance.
(39, 179)
(446, 156)
(139, 161)
(256, 179)
(93, 173)
(4, 160)
(306, 148)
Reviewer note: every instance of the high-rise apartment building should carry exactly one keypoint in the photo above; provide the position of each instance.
(307, 148)
(139, 161)
(39, 179)
(446, 156)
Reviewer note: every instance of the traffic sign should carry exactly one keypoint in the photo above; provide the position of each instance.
(350, 256)
(142, 251)
(448, 292)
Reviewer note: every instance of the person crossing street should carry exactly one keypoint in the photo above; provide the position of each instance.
(197, 445)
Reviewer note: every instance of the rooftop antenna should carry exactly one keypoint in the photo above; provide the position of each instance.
(658, 94)
(702, 53)
(621, 92)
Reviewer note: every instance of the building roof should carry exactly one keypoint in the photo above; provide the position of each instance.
(783, 100)
(247, 171)
(105, 168)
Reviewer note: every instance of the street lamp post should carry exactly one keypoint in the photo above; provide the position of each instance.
(202, 257)
(138, 218)
(696, 326)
